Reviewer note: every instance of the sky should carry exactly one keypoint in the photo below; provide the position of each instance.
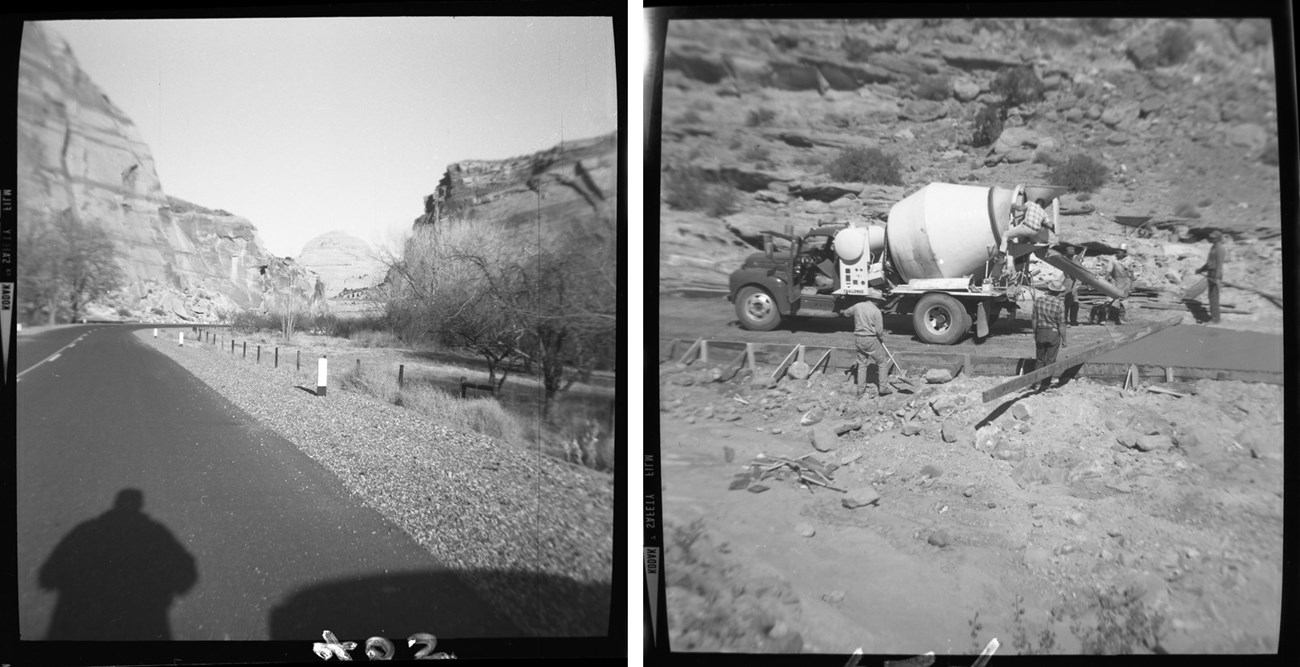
(308, 125)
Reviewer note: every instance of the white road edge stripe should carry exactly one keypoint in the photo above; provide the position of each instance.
(52, 357)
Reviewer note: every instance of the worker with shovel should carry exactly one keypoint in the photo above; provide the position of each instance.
(868, 336)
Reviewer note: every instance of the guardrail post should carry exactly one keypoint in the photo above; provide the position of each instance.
(321, 376)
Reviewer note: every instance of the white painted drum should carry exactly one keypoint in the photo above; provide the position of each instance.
(944, 230)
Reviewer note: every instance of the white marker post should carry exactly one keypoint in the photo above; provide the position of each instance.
(155, 333)
(320, 376)
(180, 340)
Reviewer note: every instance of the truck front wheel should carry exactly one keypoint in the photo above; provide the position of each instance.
(940, 319)
(756, 309)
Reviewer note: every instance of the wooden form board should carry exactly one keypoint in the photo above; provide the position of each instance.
(1075, 360)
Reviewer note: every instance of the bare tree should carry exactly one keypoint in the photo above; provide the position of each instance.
(65, 264)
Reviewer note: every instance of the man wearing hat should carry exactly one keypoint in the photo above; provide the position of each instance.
(1049, 324)
(868, 338)
(1122, 279)
(1213, 271)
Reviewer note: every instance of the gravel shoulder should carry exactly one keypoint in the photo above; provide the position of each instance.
(531, 534)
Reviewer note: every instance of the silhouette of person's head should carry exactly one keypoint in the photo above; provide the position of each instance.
(129, 500)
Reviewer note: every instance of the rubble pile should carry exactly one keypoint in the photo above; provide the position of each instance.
(1170, 490)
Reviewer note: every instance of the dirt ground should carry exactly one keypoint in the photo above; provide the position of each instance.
(1086, 518)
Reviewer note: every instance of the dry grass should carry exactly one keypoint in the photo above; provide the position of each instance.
(480, 415)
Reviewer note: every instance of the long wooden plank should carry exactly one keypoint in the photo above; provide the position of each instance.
(1075, 360)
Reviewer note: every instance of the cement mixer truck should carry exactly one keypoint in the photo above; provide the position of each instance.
(937, 258)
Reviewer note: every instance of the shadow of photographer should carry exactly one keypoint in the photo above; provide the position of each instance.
(116, 576)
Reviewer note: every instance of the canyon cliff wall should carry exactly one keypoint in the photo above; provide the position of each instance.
(570, 189)
(77, 152)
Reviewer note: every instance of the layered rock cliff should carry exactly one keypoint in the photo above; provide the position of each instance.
(569, 189)
(78, 152)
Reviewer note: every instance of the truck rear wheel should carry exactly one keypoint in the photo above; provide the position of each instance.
(756, 309)
(940, 319)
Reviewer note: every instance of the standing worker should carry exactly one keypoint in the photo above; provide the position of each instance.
(1072, 291)
(1213, 271)
(1049, 325)
(868, 338)
(1122, 279)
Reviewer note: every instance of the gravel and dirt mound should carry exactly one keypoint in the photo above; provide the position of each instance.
(475, 503)
(1086, 518)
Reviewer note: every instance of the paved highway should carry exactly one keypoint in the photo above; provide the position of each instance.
(150, 507)
(1189, 345)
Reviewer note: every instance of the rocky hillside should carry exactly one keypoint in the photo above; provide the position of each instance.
(1181, 115)
(343, 262)
(78, 152)
(571, 188)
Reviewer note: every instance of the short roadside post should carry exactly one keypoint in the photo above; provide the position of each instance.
(232, 346)
(277, 356)
(400, 369)
(155, 333)
(297, 361)
(180, 341)
(259, 354)
(321, 367)
(245, 349)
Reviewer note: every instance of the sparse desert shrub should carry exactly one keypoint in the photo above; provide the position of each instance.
(691, 116)
(988, 126)
(1204, 202)
(1123, 625)
(1083, 196)
(123, 312)
(857, 50)
(936, 88)
(1018, 86)
(1174, 45)
(481, 415)
(222, 315)
(689, 189)
(702, 105)
(1186, 210)
(866, 165)
(760, 116)
(1080, 173)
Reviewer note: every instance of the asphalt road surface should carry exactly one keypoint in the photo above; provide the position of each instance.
(1189, 345)
(147, 504)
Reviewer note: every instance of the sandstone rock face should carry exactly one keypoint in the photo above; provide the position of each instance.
(343, 262)
(570, 190)
(78, 152)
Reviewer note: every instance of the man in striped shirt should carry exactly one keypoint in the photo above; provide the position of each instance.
(1049, 325)
(1029, 218)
